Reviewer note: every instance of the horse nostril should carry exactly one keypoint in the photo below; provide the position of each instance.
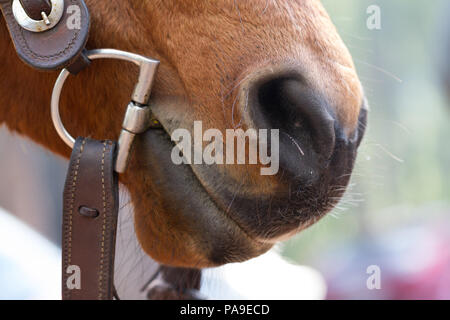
(307, 129)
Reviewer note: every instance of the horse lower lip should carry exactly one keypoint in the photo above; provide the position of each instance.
(294, 205)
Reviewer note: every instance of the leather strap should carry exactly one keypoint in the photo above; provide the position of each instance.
(89, 221)
(80, 63)
(55, 48)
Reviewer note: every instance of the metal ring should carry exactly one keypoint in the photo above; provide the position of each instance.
(92, 55)
(38, 25)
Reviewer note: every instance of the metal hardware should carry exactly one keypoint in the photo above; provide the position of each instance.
(137, 118)
(45, 18)
(47, 22)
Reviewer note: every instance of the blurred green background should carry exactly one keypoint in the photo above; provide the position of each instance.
(402, 175)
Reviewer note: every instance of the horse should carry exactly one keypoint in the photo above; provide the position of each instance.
(230, 64)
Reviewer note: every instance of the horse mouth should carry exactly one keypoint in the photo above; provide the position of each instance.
(192, 210)
(228, 226)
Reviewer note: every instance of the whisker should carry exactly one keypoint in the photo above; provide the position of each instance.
(389, 153)
(380, 69)
(294, 142)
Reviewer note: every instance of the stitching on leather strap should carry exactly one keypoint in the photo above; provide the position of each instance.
(72, 200)
(21, 38)
(101, 275)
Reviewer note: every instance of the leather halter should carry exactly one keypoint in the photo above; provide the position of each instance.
(51, 35)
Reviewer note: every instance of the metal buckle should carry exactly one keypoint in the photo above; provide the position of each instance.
(137, 117)
(47, 22)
